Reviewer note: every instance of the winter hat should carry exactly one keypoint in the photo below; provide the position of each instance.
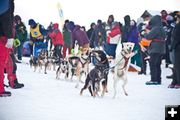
(114, 24)
(99, 21)
(55, 25)
(70, 26)
(66, 21)
(127, 20)
(32, 22)
(92, 24)
(17, 17)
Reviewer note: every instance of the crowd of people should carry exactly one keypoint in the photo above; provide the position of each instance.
(155, 38)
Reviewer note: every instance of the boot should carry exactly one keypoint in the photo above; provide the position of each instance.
(177, 86)
(16, 85)
(5, 94)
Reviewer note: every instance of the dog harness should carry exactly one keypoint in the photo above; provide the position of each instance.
(126, 62)
(86, 61)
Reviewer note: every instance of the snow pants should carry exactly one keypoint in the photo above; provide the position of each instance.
(3, 60)
(10, 69)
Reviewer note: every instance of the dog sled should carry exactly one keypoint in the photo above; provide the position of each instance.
(38, 46)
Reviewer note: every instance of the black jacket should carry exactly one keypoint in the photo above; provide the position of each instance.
(176, 37)
(157, 35)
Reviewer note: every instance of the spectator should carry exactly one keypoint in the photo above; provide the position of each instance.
(164, 15)
(144, 44)
(156, 49)
(169, 29)
(6, 34)
(49, 30)
(57, 40)
(21, 34)
(99, 35)
(67, 40)
(112, 36)
(176, 47)
(134, 38)
(126, 28)
(6, 44)
(90, 34)
(79, 35)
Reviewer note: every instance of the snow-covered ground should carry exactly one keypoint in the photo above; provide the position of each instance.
(45, 98)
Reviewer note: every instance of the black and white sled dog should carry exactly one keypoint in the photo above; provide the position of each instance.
(33, 62)
(53, 60)
(40, 61)
(92, 81)
(123, 56)
(78, 64)
(43, 60)
(84, 65)
(99, 74)
(63, 68)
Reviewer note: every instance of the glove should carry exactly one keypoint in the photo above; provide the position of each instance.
(16, 43)
(9, 43)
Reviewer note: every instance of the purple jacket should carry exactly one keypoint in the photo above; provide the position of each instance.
(80, 36)
(133, 35)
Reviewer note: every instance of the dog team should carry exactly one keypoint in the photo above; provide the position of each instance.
(78, 63)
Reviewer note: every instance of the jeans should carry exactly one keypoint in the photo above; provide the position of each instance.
(20, 51)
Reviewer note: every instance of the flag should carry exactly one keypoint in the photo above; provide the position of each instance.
(61, 15)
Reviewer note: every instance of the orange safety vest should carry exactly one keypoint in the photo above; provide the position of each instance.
(145, 43)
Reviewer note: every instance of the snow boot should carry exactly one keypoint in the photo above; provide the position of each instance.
(153, 83)
(5, 94)
(171, 86)
(177, 86)
(15, 85)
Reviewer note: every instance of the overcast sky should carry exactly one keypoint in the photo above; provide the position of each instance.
(84, 12)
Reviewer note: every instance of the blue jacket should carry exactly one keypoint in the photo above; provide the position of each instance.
(4, 6)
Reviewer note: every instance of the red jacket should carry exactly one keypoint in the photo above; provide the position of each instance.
(56, 36)
(114, 32)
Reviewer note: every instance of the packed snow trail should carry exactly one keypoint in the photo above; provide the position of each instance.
(45, 98)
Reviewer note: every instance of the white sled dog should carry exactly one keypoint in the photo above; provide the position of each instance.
(123, 56)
